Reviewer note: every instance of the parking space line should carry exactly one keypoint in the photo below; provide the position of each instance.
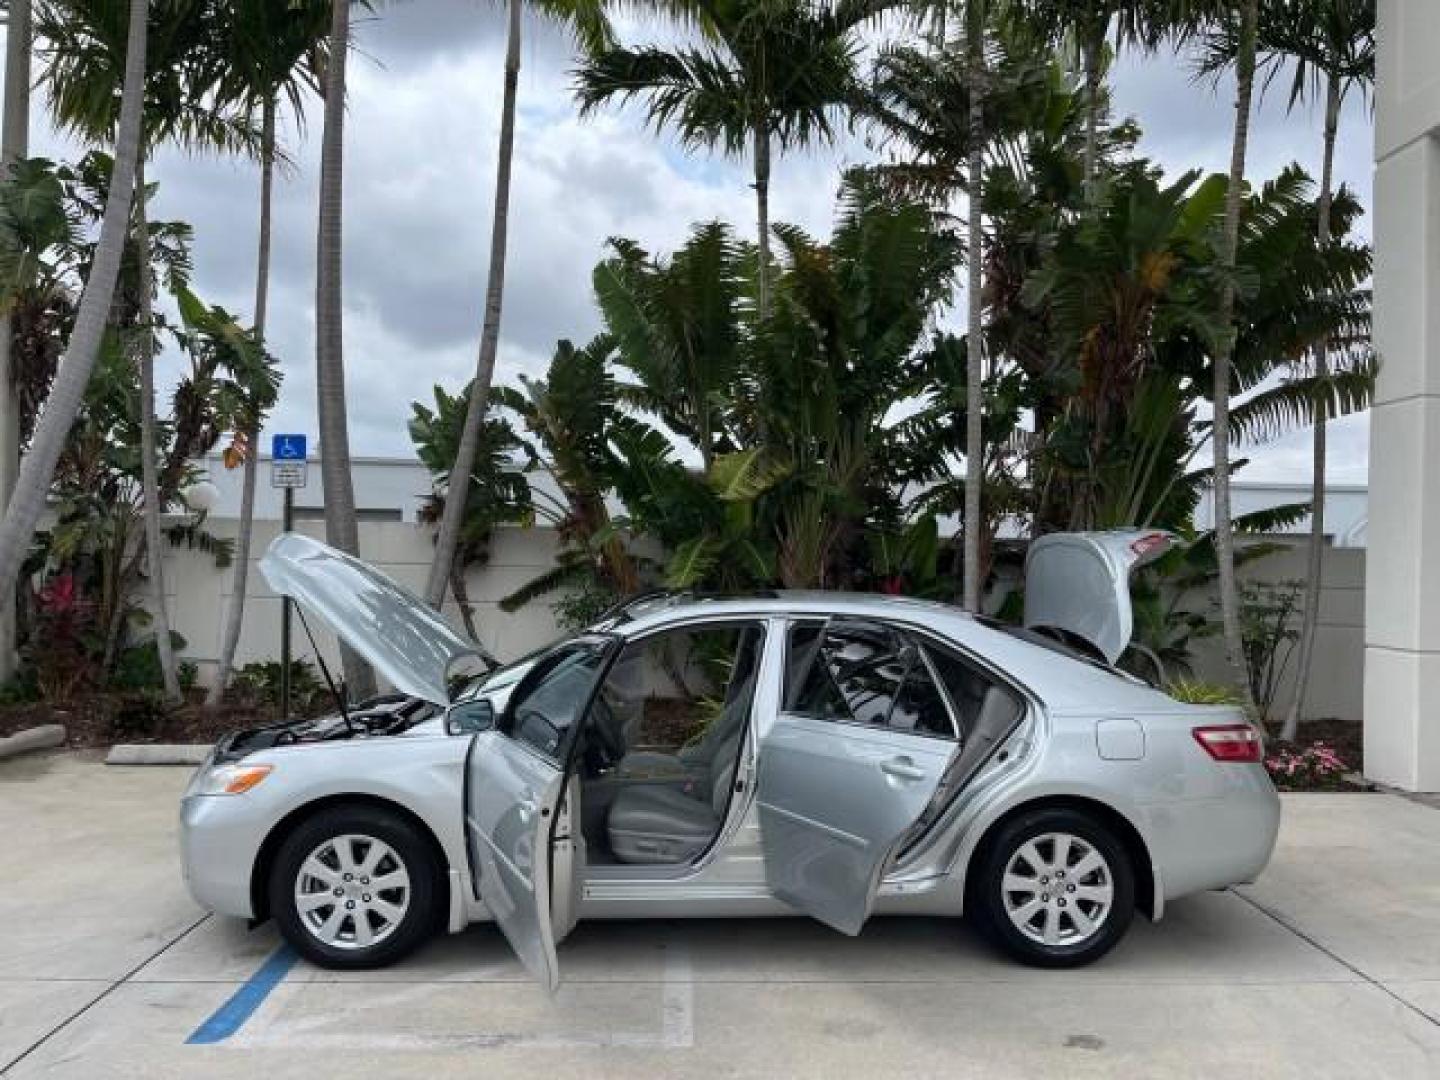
(1333, 955)
(63, 1024)
(676, 1026)
(231, 1016)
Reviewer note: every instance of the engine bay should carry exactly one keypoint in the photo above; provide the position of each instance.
(386, 715)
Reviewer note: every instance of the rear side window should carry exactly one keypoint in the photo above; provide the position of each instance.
(863, 673)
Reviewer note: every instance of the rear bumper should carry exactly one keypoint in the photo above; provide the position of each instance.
(220, 836)
(1215, 841)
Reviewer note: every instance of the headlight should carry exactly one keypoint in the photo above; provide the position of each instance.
(235, 779)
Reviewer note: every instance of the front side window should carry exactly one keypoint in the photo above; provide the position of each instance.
(864, 673)
(547, 705)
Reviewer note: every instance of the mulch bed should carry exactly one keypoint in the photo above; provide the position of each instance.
(100, 720)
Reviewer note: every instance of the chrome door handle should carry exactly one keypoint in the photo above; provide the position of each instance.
(903, 768)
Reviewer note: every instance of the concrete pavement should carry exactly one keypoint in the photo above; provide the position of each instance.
(1329, 966)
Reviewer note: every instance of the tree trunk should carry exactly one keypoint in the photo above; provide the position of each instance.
(975, 343)
(458, 489)
(1094, 47)
(68, 389)
(762, 219)
(1224, 526)
(149, 470)
(1315, 563)
(235, 614)
(337, 483)
(462, 600)
(14, 145)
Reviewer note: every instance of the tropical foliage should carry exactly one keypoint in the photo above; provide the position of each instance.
(763, 407)
(697, 444)
(91, 555)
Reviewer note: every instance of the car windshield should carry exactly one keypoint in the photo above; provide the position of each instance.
(469, 687)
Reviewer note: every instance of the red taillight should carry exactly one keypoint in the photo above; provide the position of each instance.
(1229, 742)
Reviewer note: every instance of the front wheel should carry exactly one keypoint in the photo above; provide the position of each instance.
(355, 887)
(1056, 889)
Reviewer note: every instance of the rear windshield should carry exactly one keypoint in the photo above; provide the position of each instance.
(1057, 641)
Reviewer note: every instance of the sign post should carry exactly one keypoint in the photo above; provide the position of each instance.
(288, 471)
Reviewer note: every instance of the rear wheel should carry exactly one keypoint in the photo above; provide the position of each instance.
(1055, 889)
(355, 887)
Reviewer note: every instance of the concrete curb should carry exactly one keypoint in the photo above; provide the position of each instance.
(44, 737)
(158, 754)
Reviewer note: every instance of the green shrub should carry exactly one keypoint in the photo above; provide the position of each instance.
(259, 682)
(1198, 692)
(140, 712)
(137, 668)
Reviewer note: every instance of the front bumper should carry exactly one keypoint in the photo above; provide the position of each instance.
(220, 838)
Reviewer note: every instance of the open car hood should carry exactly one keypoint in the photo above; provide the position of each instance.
(1079, 583)
(408, 642)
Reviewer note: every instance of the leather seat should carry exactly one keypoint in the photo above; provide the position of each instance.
(656, 823)
(698, 759)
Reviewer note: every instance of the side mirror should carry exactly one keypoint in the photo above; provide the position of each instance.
(470, 717)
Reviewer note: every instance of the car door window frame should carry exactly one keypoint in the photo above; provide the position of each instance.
(608, 646)
(908, 638)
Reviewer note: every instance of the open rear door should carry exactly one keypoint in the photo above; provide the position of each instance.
(515, 797)
(848, 769)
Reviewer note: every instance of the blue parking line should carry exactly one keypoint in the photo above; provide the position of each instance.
(230, 1017)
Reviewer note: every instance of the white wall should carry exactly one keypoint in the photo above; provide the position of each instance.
(199, 593)
(1337, 672)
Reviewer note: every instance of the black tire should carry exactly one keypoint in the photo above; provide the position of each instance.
(409, 847)
(988, 895)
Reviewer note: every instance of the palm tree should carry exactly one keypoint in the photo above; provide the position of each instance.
(273, 52)
(84, 58)
(1331, 46)
(1247, 13)
(975, 40)
(14, 145)
(68, 389)
(341, 530)
(586, 20)
(945, 147)
(767, 76)
(1088, 25)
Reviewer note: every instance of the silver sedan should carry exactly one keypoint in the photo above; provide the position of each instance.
(827, 755)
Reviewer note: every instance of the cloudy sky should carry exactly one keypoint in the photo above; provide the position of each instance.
(419, 176)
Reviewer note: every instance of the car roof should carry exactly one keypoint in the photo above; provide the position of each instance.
(647, 613)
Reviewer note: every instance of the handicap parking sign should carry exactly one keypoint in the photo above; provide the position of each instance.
(287, 447)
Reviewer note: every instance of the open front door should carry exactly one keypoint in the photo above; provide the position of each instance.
(515, 796)
(849, 766)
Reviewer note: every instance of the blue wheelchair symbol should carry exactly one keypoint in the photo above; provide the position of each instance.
(287, 447)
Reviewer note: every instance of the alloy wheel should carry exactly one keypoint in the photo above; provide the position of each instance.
(352, 891)
(1057, 889)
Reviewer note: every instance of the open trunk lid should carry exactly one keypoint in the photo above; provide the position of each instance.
(1079, 584)
(407, 642)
